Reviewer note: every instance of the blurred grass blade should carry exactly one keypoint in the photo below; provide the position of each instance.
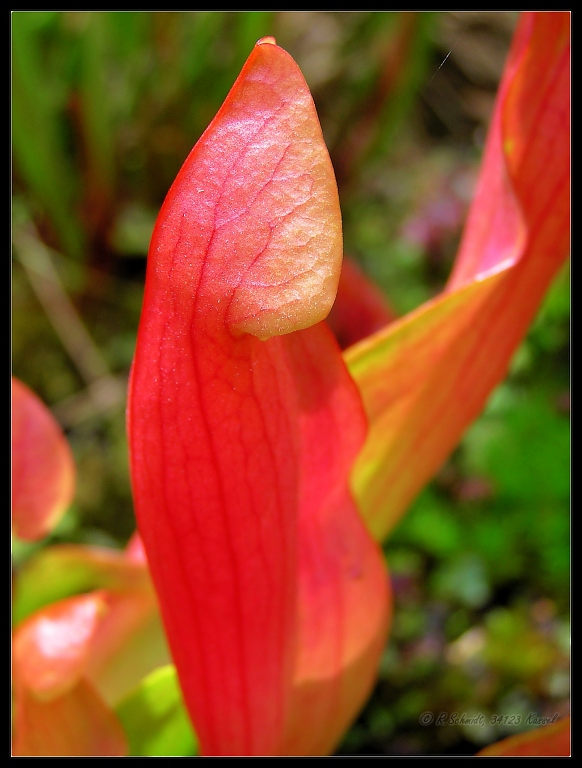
(252, 26)
(95, 120)
(36, 133)
(371, 125)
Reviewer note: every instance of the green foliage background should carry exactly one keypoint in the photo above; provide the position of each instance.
(105, 108)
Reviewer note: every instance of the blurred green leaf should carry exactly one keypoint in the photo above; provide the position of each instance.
(525, 450)
(61, 571)
(96, 120)
(515, 647)
(433, 528)
(155, 719)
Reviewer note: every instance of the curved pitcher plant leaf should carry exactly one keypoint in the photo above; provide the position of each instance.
(427, 376)
(243, 423)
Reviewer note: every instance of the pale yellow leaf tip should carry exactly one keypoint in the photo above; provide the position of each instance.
(292, 276)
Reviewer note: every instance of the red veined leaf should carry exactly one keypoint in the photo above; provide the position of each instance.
(426, 377)
(265, 254)
(551, 740)
(241, 437)
(43, 471)
(521, 210)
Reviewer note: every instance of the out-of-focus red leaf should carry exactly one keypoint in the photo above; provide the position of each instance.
(428, 375)
(241, 438)
(551, 740)
(521, 210)
(77, 724)
(57, 711)
(51, 647)
(77, 656)
(43, 471)
(360, 308)
(134, 551)
(128, 641)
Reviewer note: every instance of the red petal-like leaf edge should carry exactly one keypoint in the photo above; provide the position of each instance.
(427, 377)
